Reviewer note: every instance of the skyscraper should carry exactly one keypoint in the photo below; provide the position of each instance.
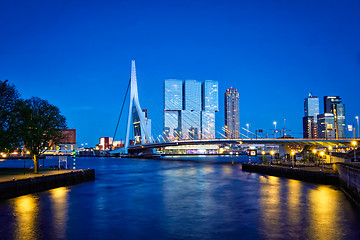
(326, 126)
(210, 105)
(332, 104)
(189, 109)
(311, 111)
(191, 113)
(173, 99)
(232, 121)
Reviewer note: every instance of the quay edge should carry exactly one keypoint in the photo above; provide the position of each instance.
(11, 189)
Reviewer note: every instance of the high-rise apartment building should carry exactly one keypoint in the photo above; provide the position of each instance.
(189, 109)
(311, 111)
(232, 117)
(332, 104)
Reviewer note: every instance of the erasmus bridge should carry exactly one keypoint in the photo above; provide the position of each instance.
(146, 146)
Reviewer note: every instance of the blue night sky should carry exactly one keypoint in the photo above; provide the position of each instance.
(77, 55)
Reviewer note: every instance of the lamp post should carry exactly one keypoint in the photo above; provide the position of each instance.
(330, 148)
(247, 134)
(292, 157)
(322, 160)
(354, 143)
(272, 154)
(314, 152)
(275, 129)
(357, 119)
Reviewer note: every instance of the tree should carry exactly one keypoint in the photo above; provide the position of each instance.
(41, 124)
(9, 98)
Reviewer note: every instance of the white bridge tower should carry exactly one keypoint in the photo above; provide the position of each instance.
(141, 130)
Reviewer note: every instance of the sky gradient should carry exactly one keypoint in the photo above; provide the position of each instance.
(77, 55)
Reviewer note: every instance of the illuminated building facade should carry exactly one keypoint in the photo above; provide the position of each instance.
(210, 105)
(311, 111)
(173, 101)
(189, 109)
(326, 126)
(191, 114)
(332, 104)
(232, 118)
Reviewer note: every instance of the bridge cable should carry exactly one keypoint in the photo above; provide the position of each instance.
(122, 107)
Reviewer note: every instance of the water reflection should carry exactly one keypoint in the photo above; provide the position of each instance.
(324, 213)
(270, 205)
(59, 199)
(294, 193)
(26, 212)
(227, 170)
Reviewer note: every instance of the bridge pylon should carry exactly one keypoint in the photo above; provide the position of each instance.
(135, 111)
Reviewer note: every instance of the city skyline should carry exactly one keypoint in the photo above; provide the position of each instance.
(78, 55)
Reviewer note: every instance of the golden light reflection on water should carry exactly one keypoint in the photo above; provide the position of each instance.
(321, 207)
(324, 213)
(26, 212)
(227, 170)
(294, 202)
(209, 169)
(270, 204)
(59, 199)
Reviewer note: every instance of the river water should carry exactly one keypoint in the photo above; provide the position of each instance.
(164, 199)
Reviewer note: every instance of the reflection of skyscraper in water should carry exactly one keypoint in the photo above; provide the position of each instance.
(232, 117)
(189, 109)
(332, 104)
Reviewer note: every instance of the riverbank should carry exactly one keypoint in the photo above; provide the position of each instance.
(16, 183)
(309, 174)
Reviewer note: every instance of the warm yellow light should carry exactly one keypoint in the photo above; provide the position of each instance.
(322, 153)
(292, 153)
(354, 143)
(263, 152)
(272, 152)
(330, 148)
(314, 151)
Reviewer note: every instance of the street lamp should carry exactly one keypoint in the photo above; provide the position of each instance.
(275, 129)
(354, 143)
(292, 155)
(322, 160)
(272, 154)
(315, 156)
(330, 148)
(357, 119)
(263, 156)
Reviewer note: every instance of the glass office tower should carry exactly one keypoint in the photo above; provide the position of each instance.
(191, 113)
(311, 111)
(210, 105)
(232, 117)
(189, 109)
(332, 104)
(326, 126)
(173, 99)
